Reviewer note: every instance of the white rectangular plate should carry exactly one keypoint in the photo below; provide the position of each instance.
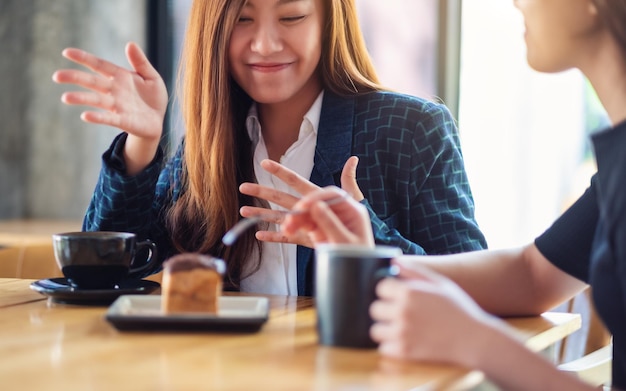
(143, 313)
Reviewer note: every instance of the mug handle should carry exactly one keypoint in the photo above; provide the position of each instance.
(151, 258)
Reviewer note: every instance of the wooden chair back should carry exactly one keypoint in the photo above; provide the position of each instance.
(31, 260)
(594, 366)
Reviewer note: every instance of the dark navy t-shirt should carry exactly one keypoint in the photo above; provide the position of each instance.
(589, 241)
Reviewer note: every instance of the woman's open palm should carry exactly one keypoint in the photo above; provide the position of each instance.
(134, 100)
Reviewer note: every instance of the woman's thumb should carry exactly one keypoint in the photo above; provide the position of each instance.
(348, 179)
(138, 60)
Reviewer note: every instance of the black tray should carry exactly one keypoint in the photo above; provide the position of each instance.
(143, 313)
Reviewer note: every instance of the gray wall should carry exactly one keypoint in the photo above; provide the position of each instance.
(49, 158)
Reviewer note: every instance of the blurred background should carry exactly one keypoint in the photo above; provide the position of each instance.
(524, 134)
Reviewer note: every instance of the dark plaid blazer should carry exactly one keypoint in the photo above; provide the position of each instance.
(410, 170)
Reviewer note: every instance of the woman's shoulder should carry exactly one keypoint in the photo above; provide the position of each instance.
(396, 101)
(412, 108)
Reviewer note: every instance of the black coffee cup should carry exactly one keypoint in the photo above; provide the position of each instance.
(345, 286)
(99, 259)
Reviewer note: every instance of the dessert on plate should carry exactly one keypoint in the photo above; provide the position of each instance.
(192, 283)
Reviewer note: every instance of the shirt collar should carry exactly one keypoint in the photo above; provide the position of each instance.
(311, 119)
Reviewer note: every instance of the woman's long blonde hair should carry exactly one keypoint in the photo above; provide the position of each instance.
(217, 151)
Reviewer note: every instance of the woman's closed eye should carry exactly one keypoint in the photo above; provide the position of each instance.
(292, 19)
(286, 20)
(244, 19)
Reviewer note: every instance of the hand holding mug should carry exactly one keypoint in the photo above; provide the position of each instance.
(417, 317)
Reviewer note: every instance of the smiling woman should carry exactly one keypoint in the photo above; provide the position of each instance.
(273, 53)
(287, 81)
(292, 29)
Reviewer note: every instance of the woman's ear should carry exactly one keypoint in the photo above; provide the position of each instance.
(591, 7)
(593, 15)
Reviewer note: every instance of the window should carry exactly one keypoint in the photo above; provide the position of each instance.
(524, 134)
(402, 38)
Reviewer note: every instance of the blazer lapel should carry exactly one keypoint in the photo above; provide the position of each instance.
(334, 146)
(334, 139)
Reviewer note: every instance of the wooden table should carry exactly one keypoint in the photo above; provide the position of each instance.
(49, 346)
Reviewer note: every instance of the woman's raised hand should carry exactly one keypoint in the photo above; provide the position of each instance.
(134, 101)
(302, 229)
(330, 222)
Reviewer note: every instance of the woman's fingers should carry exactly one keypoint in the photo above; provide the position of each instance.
(101, 101)
(278, 237)
(413, 269)
(96, 100)
(301, 185)
(102, 118)
(289, 177)
(331, 216)
(105, 70)
(138, 60)
(269, 215)
(389, 289)
(328, 223)
(380, 331)
(322, 195)
(301, 221)
(272, 195)
(83, 79)
(90, 61)
(348, 178)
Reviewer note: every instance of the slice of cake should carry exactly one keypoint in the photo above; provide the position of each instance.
(191, 283)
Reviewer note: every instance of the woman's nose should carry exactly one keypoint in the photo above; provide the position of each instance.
(266, 40)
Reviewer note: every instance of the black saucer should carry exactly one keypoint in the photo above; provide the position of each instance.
(60, 291)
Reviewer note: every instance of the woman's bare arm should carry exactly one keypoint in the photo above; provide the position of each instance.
(510, 282)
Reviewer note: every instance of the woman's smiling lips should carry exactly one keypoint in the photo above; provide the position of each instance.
(269, 67)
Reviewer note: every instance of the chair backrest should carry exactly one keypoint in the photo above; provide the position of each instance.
(35, 261)
(10, 261)
(30, 260)
(38, 262)
(594, 366)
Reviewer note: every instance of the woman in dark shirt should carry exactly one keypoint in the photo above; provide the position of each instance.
(441, 300)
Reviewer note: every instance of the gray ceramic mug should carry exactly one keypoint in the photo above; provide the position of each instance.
(345, 283)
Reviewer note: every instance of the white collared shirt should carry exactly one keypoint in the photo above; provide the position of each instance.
(278, 271)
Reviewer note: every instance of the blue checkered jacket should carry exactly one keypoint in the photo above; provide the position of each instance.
(410, 170)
